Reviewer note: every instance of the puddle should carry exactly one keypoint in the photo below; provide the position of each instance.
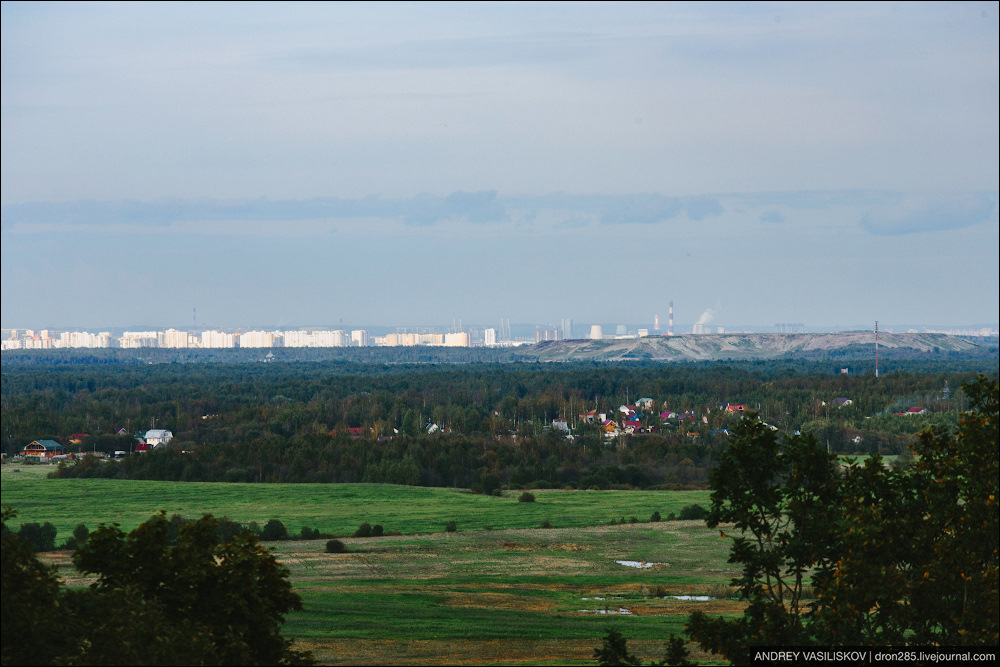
(642, 565)
(621, 610)
(593, 598)
(695, 598)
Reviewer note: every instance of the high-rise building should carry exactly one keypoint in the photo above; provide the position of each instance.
(460, 339)
(567, 329)
(359, 338)
(490, 337)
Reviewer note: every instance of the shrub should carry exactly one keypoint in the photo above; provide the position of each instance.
(309, 533)
(274, 530)
(38, 536)
(526, 497)
(633, 520)
(692, 512)
(546, 524)
(364, 530)
(655, 518)
(377, 530)
(451, 526)
(335, 547)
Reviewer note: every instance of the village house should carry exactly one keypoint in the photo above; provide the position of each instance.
(43, 449)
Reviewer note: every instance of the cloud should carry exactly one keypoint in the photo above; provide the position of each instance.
(915, 214)
(653, 208)
(575, 222)
(772, 217)
(476, 207)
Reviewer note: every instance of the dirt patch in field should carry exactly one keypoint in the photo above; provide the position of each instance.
(514, 546)
(468, 651)
(499, 601)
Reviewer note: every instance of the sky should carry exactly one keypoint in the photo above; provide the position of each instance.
(413, 164)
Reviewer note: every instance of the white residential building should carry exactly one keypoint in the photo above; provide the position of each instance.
(217, 339)
(490, 337)
(460, 339)
(134, 339)
(158, 436)
(359, 338)
(257, 339)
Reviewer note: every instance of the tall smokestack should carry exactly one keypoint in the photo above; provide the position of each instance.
(656, 322)
(670, 320)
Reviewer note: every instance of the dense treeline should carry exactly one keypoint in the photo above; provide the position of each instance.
(291, 421)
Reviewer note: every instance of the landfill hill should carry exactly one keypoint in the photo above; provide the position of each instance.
(716, 347)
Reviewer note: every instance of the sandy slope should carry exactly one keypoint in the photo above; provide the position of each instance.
(694, 347)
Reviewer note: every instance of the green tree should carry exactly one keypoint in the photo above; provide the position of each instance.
(201, 601)
(274, 530)
(31, 605)
(614, 651)
(895, 556)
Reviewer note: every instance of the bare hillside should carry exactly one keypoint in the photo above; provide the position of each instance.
(706, 347)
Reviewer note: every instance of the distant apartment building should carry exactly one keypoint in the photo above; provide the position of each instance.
(359, 338)
(136, 339)
(172, 338)
(460, 339)
(490, 337)
(217, 339)
(257, 339)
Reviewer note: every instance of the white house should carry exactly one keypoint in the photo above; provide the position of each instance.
(157, 437)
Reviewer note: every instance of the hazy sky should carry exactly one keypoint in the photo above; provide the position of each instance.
(407, 164)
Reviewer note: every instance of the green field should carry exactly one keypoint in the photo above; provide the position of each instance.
(500, 590)
(333, 508)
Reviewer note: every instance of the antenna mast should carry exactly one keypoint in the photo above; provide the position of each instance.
(876, 348)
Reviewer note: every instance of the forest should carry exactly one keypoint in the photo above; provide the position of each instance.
(479, 425)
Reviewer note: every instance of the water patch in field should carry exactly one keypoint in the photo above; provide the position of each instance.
(592, 598)
(621, 610)
(642, 565)
(694, 598)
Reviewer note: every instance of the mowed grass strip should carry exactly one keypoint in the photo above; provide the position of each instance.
(333, 508)
(502, 597)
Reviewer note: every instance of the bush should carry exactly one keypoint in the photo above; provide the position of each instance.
(526, 497)
(633, 520)
(546, 524)
(38, 536)
(451, 526)
(308, 533)
(655, 518)
(274, 530)
(335, 547)
(377, 530)
(692, 512)
(364, 530)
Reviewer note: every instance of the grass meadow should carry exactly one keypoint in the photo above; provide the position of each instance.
(500, 590)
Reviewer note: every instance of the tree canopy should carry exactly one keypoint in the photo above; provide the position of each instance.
(895, 557)
(200, 601)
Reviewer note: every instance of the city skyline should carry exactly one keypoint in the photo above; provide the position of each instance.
(278, 165)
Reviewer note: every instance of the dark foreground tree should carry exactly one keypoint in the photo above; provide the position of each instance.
(201, 601)
(894, 557)
(30, 605)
